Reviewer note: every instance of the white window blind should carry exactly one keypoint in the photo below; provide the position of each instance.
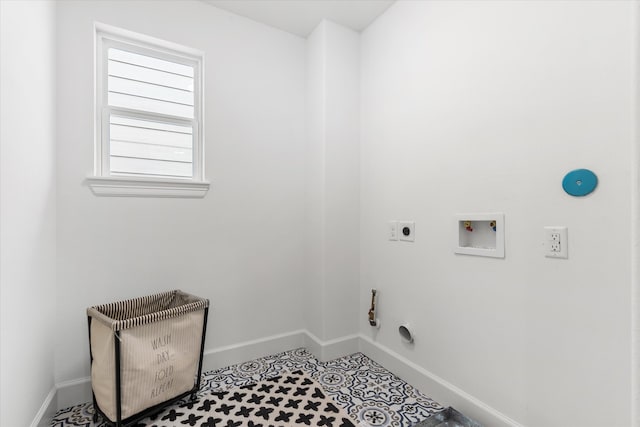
(145, 147)
(149, 105)
(149, 84)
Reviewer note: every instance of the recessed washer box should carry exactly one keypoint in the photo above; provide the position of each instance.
(480, 234)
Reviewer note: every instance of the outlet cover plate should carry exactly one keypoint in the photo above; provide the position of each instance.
(407, 231)
(392, 230)
(556, 242)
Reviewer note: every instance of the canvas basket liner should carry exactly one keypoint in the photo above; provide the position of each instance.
(160, 345)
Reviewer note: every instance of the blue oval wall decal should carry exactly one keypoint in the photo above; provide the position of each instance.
(580, 182)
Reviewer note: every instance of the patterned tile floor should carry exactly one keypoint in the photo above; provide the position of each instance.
(371, 395)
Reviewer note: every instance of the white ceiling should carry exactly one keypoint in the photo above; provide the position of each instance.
(302, 16)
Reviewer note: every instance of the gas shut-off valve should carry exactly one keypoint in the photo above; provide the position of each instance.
(373, 320)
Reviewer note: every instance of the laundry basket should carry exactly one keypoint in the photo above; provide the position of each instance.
(145, 353)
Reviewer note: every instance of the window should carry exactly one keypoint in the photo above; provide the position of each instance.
(149, 133)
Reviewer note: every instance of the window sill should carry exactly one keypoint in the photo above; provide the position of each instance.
(146, 187)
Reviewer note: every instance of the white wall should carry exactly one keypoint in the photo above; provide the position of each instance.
(342, 179)
(241, 245)
(333, 175)
(315, 181)
(480, 107)
(27, 209)
(635, 249)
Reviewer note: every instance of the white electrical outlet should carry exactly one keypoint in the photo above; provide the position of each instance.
(556, 242)
(407, 231)
(392, 230)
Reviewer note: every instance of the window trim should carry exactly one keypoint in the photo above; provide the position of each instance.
(102, 183)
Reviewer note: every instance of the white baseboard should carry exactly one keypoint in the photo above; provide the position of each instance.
(249, 350)
(71, 393)
(332, 349)
(440, 390)
(47, 410)
(77, 391)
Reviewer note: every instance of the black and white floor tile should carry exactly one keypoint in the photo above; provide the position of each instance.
(370, 394)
